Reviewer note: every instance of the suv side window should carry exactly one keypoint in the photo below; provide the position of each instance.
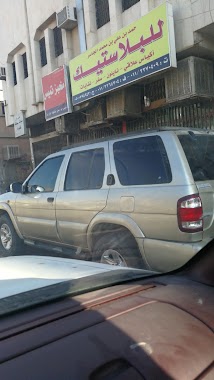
(46, 175)
(199, 150)
(142, 161)
(85, 170)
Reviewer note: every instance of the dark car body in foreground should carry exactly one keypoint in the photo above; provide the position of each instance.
(158, 327)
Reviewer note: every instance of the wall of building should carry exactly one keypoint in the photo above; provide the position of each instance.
(193, 29)
(26, 22)
(190, 16)
(194, 32)
(23, 25)
(17, 169)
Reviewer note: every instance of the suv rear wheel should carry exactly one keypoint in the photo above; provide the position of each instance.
(117, 249)
(10, 243)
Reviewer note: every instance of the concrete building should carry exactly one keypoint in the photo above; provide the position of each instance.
(193, 20)
(15, 158)
(33, 47)
(180, 97)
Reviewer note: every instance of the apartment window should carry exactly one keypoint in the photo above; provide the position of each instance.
(102, 12)
(58, 41)
(24, 59)
(43, 54)
(14, 73)
(126, 4)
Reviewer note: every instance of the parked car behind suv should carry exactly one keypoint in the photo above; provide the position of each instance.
(143, 200)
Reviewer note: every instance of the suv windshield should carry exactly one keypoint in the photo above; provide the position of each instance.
(111, 210)
(106, 141)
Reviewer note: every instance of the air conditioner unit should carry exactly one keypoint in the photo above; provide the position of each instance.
(2, 73)
(95, 115)
(192, 78)
(66, 18)
(126, 102)
(11, 152)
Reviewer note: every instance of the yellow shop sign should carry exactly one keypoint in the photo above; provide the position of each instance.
(136, 51)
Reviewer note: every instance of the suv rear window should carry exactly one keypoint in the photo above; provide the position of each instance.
(142, 161)
(199, 151)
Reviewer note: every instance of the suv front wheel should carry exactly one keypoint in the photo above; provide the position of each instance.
(118, 249)
(10, 243)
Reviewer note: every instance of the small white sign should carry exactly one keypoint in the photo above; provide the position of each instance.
(20, 124)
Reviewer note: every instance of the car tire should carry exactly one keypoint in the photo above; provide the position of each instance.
(10, 243)
(118, 249)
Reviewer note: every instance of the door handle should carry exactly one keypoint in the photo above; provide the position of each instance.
(110, 180)
(50, 200)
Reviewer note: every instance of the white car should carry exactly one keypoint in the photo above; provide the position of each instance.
(19, 274)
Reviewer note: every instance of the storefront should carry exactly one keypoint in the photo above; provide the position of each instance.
(130, 81)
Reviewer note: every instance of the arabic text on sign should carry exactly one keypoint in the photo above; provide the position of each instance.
(126, 49)
(54, 90)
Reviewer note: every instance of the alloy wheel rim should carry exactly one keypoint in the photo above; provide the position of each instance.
(6, 236)
(113, 257)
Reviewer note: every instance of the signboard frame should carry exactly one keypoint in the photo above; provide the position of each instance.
(143, 48)
(20, 128)
(52, 84)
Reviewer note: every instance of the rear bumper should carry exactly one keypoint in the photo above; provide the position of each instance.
(164, 256)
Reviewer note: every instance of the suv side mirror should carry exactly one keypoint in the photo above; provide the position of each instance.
(39, 189)
(24, 188)
(16, 187)
(32, 189)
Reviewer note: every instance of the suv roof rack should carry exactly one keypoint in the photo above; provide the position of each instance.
(136, 133)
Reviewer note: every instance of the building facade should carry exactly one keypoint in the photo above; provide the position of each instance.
(180, 97)
(34, 46)
(15, 157)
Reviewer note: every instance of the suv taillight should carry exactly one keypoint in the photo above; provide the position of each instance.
(190, 213)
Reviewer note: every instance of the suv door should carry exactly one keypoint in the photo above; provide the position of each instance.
(141, 191)
(35, 209)
(83, 193)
